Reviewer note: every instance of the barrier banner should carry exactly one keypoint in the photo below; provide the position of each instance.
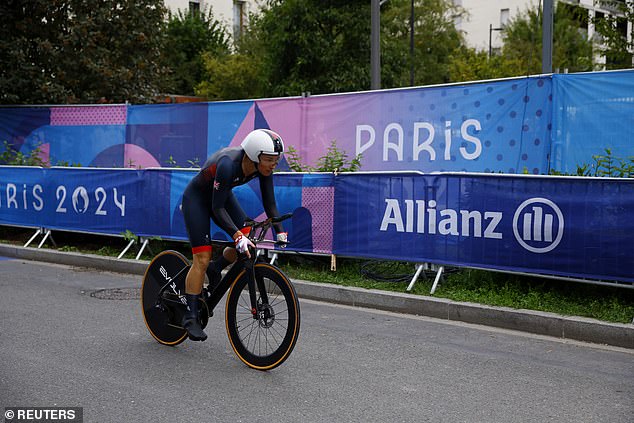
(21, 196)
(491, 126)
(67, 135)
(107, 201)
(592, 112)
(494, 126)
(309, 197)
(576, 227)
(564, 226)
(516, 125)
(147, 202)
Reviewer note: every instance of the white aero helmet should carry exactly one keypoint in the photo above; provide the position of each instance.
(262, 141)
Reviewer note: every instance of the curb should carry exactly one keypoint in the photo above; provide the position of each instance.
(536, 322)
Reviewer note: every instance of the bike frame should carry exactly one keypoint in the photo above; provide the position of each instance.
(243, 263)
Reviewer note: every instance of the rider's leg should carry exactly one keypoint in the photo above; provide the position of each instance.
(193, 288)
(196, 274)
(195, 208)
(214, 271)
(229, 255)
(221, 262)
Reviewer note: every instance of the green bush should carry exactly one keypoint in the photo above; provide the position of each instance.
(14, 157)
(335, 160)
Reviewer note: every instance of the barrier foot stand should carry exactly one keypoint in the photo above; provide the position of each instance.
(47, 235)
(145, 242)
(38, 232)
(419, 268)
(125, 250)
(52, 240)
(274, 258)
(438, 276)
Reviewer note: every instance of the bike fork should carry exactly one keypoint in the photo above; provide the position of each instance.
(255, 286)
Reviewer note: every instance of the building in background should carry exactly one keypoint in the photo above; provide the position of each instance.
(233, 13)
(485, 19)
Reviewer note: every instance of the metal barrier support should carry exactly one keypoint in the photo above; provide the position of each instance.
(438, 276)
(145, 244)
(419, 269)
(41, 231)
(47, 234)
(426, 266)
(125, 250)
(37, 232)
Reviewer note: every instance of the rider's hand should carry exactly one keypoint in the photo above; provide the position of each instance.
(242, 245)
(282, 238)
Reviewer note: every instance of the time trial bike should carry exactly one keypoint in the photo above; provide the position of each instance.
(262, 314)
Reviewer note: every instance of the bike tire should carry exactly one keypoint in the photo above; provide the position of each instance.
(263, 344)
(156, 320)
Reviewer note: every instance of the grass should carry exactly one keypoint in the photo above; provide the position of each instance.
(478, 286)
(606, 303)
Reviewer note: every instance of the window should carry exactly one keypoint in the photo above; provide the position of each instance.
(194, 7)
(504, 17)
(238, 18)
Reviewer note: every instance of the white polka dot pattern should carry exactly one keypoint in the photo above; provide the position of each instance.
(320, 202)
(88, 115)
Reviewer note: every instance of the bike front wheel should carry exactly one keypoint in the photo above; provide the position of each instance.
(264, 340)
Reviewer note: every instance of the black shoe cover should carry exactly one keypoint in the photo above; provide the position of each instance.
(195, 332)
(190, 319)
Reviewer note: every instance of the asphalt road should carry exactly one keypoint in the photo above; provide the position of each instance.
(61, 346)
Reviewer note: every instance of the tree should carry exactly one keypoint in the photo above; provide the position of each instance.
(469, 64)
(81, 51)
(233, 76)
(296, 46)
(522, 38)
(613, 30)
(436, 41)
(317, 46)
(191, 36)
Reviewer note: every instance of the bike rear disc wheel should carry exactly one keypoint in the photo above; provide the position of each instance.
(263, 343)
(163, 269)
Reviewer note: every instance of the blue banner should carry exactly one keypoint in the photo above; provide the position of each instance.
(518, 125)
(564, 226)
(575, 227)
(592, 112)
(88, 200)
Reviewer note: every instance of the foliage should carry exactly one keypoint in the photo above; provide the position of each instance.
(233, 76)
(128, 235)
(469, 64)
(190, 37)
(613, 33)
(436, 41)
(609, 166)
(81, 51)
(522, 38)
(521, 52)
(335, 160)
(298, 46)
(605, 165)
(317, 46)
(11, 156)
(478, 286)
(193, 163)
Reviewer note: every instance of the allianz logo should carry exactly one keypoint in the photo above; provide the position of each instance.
(538, 223)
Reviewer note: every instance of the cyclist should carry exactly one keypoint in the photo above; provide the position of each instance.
(209, 195)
